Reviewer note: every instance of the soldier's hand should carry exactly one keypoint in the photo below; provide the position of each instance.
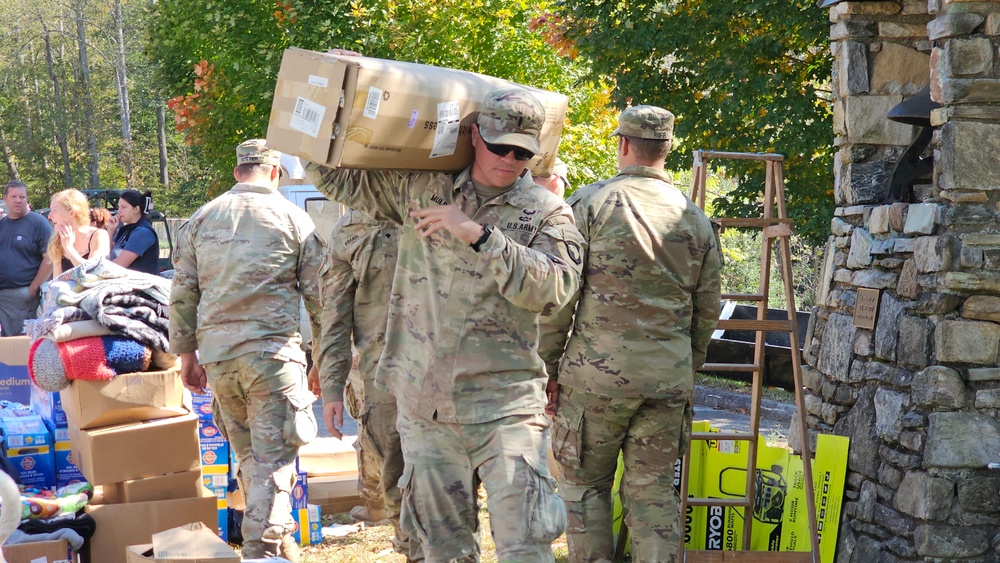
(192, 374)
(343, 53)
(313, 379)
(333, 416)
(552, 392)
(448, 217)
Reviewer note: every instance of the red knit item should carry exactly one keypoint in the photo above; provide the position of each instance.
(85, 358)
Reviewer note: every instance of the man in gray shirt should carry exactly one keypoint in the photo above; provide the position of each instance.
(24, 237)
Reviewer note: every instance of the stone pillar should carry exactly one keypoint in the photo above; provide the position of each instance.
(919, 395)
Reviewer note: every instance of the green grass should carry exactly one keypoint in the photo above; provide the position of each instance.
(743, 388)
(374, 544)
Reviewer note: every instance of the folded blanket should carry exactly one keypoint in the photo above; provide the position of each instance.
(52, 365)
(77, 329)
(127, 302)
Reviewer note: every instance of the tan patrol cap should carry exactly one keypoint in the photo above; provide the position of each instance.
(512, 116)
(646, 122)
(255, 151)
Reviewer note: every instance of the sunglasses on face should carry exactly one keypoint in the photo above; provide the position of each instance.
(503, 150)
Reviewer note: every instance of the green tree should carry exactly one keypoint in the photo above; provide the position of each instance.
(46, 136)
(219, 61)
(740, 76)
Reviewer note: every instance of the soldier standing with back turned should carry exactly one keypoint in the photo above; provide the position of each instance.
(244, 262)
(625, 383)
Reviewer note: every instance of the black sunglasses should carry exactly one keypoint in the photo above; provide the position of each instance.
(504, 150)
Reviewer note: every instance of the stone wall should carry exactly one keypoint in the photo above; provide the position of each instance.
(920, 394)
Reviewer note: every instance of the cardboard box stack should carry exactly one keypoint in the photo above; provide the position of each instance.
(362, 112)
(48, 405)
(215, 456)
(134, 437)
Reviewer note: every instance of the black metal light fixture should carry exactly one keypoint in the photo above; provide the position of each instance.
(916, 111)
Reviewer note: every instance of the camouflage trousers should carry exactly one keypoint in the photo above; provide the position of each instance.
(262, 405)
(589, 431)
(380, 457)
(444, 463)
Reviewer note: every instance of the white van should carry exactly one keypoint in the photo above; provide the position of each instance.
(324, 213)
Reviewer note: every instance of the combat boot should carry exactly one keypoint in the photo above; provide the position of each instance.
(289, 549)
(370, 515)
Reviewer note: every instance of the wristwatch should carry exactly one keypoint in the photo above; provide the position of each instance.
(487, 231)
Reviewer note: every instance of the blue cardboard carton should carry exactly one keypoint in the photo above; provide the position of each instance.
(202, 405)
(28, 445)
(300, 491)
(15, 384)
(214, 446)
(308, 529)
(67, 472)
(219, 484)
(48, 405)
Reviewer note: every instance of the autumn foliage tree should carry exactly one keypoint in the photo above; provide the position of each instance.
(740, 76)
(219, 61)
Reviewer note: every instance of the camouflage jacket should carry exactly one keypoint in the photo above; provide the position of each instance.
(462, 333)
(650, 294)
(242, 263)
(357, 276)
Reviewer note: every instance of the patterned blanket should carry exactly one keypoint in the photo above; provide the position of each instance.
(129, 303)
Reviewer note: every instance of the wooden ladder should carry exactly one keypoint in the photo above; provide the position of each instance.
(775, 227)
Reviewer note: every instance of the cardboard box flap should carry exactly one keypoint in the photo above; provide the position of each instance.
(300, 102)
(194, 542)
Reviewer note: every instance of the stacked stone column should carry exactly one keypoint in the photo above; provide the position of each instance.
(919, 395)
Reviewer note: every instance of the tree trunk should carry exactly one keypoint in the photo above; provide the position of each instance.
(123, 101)
(60, 128)
(161, 137)
(88, 99)
(8, 157)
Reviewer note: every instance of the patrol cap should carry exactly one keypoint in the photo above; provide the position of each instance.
(512, 116)
(255, 151)
(646, 122)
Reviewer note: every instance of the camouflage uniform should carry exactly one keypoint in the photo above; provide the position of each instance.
(242, 263)
(357, 277)
(461, 345)
(647, 308)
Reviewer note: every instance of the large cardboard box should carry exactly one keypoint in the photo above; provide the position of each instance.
(184, 484)
(15, 384)
(362, 112)
(52, 551)
(192, 543)
(130, 397)
(113, 454)
(122, 525)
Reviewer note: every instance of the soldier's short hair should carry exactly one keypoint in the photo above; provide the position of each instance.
(649, 150)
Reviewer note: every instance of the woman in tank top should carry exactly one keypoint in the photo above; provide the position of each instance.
(73, 238)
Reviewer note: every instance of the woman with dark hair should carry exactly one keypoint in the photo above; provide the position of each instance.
(135, 244)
